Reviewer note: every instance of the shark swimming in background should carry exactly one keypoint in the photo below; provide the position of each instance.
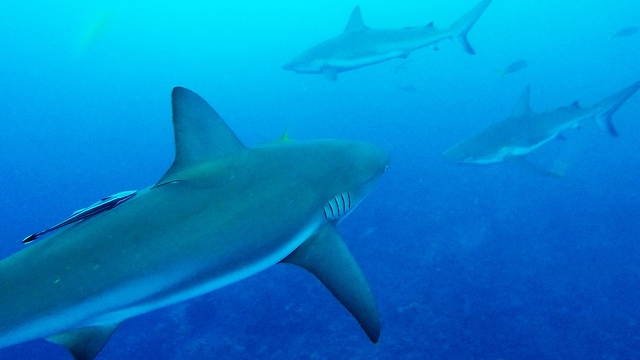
(524, 130)
(360, 46)
(221, 213)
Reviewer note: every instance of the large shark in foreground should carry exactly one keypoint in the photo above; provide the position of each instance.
(221, 213)
(359, 45)
(525, 130)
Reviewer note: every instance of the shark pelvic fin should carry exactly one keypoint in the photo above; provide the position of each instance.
(555, 172)
(84, 343)
(326, 256)
(200, 133)
(522, 107)
(355, 22)
(330, 73)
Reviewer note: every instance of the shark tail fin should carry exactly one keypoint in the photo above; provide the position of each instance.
(460, 28)
(605, 108)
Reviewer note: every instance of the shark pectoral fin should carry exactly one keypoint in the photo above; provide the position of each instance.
(200, 133)
(84, 343)
(555, 171)
(330, 73)
(326, 256)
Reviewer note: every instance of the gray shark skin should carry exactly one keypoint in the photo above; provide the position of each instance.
(525, 131)
(221, 213)
(360, 46)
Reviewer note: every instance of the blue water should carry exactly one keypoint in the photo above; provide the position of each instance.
(466, 262)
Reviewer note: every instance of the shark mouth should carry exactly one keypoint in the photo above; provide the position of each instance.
(338, 206)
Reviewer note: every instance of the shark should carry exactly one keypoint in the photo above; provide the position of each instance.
(359, 45)
(525, 130)
(221, 213)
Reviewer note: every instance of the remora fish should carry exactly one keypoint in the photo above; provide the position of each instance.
(221, 213)
(525, 131)
(360, 46)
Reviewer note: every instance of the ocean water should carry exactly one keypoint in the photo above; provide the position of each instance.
(465, 262)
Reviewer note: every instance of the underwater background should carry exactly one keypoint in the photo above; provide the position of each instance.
(465, 262)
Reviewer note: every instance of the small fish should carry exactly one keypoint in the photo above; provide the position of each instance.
(513, 67)
(624, 32)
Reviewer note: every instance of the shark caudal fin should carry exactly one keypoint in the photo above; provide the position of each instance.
(605, 108)
(460, 28)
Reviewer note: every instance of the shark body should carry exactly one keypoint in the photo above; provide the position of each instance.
(360, 46)
(524, 130)
(221, 213)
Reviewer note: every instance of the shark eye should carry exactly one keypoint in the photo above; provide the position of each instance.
(337, 206)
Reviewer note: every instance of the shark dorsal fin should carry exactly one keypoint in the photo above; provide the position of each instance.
(522, 106)
(430, 25)
(355, 22)
(200, 133)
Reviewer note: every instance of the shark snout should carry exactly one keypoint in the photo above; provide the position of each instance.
(291, 65)
(380, 158)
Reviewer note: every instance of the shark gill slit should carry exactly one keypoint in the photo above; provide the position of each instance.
(332, 209)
